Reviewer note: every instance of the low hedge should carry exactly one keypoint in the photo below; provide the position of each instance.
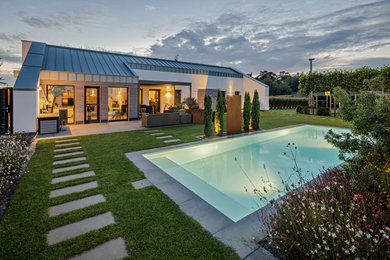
(285, 103)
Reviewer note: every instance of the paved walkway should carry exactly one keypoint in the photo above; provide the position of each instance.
(96, 128)
(65, 155)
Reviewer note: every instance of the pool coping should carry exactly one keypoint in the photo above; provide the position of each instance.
(242, 235)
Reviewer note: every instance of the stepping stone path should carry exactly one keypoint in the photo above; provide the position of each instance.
(70, 160)
(164, 137)
(71, 168)
(159, 136)
(112, 249)
(68, 154)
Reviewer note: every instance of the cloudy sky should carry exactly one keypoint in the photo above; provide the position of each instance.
(250, 35)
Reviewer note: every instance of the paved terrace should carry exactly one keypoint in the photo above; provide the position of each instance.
(96, 128)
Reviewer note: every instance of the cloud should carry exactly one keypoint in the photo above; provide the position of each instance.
(150, 7)
(255, 43)
(76, 18)
(11, 37)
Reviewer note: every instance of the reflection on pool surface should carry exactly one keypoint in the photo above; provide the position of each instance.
(221, 172)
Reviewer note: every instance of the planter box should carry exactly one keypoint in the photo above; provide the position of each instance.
(197, 116)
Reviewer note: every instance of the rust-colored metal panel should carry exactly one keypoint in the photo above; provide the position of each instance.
(233, 107)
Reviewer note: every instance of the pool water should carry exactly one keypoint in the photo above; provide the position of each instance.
(225, 173)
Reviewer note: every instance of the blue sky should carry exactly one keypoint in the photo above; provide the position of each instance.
(248, 35)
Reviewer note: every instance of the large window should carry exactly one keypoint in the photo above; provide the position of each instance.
(117, 103)
(57, 101)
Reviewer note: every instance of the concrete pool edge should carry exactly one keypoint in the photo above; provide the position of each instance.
(238, 235)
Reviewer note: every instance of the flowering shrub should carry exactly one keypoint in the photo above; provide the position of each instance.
(14, 151)
(328, 219)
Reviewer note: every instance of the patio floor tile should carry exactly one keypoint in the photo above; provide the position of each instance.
(66, 140)
(171, 140)
(66, 144)
(164, 137)
(141, 184)
(68, 154)
(67, 149)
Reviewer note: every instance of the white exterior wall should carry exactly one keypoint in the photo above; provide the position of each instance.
(25, 110)
(198, 81)
(249, 85)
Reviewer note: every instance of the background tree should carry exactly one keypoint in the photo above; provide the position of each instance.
(247, 111)
(256, 111)
(208, 116)
(280, 84)
(219, 113)
(2, 82)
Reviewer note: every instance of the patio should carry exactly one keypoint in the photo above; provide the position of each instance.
(96, 128)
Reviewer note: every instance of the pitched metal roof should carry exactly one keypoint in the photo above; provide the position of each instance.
(59, 58)
(29, 73)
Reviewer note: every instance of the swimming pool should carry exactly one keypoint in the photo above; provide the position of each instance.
(222, 172)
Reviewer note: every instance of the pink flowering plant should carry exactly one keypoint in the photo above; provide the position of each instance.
(328, 219)
(14, 151)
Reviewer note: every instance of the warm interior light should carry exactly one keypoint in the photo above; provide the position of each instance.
(168, 88)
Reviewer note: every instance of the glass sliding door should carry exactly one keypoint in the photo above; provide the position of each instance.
(154, 99)
(57, 101)
(91, 105)
(117, 104)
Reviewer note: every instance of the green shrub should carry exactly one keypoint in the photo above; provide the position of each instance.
(219, 113)
(182, 110)
(255, 117)
(323, 111)
(208, 116)
(247, 111)
(369, 142)
(191, 103)
(306, 110)
(299, 109)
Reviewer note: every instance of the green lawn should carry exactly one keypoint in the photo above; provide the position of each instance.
(152, 225)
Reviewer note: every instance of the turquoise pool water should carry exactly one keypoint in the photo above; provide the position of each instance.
(224, 172)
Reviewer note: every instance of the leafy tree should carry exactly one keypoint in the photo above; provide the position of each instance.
(281, 84)
(219, 113)
(367, 148)
(247, 111)
(255, 111)
(2, 82)
(208, 116)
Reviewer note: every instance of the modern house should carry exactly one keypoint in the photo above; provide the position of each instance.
(86, 86)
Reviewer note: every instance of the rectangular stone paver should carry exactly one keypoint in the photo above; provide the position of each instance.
(73, 177)
(66, 144)
(171, 140)
(78, 228)
(111, 250)
(67, 154)
(72, 189)
(160, 133)
(67, 149)
(141, 184)
(70, 160)
(70, 168)
(75, 204)
(66, 140)
(151, 131)
(164, 137)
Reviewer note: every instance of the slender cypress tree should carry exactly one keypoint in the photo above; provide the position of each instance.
(247, 111)
(256, 111)
(208, 114)
(219, 113)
